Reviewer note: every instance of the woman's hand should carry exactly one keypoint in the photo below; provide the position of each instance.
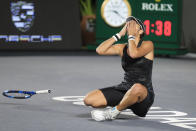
(131, 28)
(123, 30)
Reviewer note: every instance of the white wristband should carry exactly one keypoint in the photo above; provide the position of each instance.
(119, 37)
(131, 37)
(115, 38)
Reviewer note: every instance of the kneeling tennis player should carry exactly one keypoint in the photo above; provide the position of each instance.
(135, 92)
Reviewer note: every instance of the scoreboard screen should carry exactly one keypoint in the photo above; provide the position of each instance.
(162, 19)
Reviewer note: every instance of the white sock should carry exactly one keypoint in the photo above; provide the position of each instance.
(115, 110)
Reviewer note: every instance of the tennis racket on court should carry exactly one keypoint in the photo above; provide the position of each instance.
(18, 94)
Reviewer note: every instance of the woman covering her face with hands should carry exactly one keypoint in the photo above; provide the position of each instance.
(135, 92)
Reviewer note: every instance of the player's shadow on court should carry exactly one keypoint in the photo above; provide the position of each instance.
(127, 117)
(120, 117)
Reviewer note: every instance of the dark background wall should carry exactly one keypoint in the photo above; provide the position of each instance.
(63, 18)
(189, 24)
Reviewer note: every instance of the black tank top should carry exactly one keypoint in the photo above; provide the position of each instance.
(137, 70)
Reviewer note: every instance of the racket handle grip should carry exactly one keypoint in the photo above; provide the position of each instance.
(43, 91)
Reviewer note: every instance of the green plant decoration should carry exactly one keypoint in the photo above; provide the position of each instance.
(86, 7)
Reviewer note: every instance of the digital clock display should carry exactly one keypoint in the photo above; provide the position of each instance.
(162, 28)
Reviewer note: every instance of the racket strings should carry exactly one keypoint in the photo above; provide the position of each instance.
(17, 95)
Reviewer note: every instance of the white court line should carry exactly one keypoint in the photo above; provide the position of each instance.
(174, 118)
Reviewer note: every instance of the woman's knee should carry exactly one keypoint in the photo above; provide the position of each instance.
(88, 99)
(138, 90)
(95, 99)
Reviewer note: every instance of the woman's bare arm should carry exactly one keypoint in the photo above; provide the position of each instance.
(107, 47)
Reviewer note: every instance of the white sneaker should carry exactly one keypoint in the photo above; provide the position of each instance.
(102, 115)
